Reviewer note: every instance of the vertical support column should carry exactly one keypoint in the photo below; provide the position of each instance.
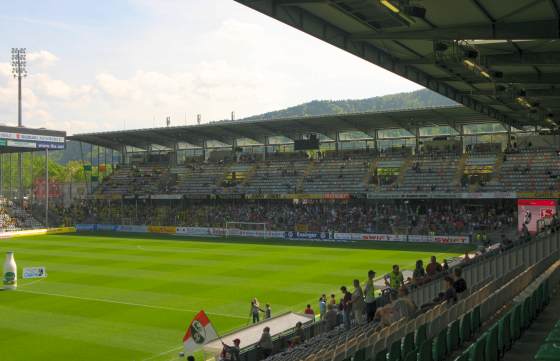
(10, 194)
(508, 143)
(205, 149)
(175, 155)
(337, 141)
(2, 175)
(47, 187)
(417, 140)
(31, 195)
(124, 155)
(234, 149)
(266, 144)
(462, 138)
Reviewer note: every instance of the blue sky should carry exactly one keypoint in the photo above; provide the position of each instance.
(106, 65)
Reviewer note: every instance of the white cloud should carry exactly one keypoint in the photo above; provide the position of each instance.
(42, 58)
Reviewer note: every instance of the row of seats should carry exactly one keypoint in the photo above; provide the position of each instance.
(508, 329)
(534, 171)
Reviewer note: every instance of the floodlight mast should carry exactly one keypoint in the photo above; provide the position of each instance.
(19, 70)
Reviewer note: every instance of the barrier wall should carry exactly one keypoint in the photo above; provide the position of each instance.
(35, 232)
(495, 265)
(292, 235)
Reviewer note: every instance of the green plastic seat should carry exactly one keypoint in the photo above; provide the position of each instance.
(453, 336)
(421, 335)
(476, 352)
(425, 351)
(381, 355)
(504, 333)
(475, 320)
(540, 297)
(548, 352)
(439, 348)
(516, 321)
(462, 357)
(411, 356)
(526, 314)
(360, 355)
(546, 292)
(491, 346)
(534, 304)
(395, 351)
(553, 335)
(465, 331)
(408, 344)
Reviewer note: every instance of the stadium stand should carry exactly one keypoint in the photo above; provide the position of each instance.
(475, 328)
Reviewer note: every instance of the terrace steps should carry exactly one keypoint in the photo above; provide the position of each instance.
(460, 170)
(402, 172)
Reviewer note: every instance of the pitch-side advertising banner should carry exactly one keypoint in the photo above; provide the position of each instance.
(293, 235)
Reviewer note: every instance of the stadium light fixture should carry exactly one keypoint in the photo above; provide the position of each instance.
(19, 70)
(523, 102)
(469, 63)
(485, 74)
(390, 6)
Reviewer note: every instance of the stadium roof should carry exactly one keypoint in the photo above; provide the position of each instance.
(227, 131)
(498, 57)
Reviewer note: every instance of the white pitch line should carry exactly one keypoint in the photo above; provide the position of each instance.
(125, 303)
(163, 353)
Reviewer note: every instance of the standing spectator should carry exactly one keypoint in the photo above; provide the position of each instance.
(459, 283)
(419, 275)
(267, 312)
(255, 309)
(265, 343)
(346, 306)
(395, 278)
(433, 268)
(322, 306)
(357, 301)
(333, 300)
(445, 266)
(309, 311)
(369, 292)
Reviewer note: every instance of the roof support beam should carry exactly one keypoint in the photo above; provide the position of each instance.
(543, 29)
(510, 59)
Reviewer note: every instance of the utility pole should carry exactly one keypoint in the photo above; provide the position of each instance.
(19, 71)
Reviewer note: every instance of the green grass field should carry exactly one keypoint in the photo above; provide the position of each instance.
(130, 297)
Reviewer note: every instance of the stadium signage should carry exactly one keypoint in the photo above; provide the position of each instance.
(34, 272)
(442, 195)
(293, 235)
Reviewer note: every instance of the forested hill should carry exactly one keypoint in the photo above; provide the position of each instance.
(416, 99)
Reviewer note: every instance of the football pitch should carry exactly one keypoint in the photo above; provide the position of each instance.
(130, 297)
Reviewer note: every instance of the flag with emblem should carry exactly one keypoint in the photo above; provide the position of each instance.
(199, 332)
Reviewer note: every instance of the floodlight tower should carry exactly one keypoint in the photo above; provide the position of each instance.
(19, 71)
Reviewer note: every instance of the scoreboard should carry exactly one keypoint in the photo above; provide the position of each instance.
(26, 139)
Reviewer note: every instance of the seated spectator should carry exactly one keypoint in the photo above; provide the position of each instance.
(404, 306)
(299, 335)
(309, 311)
(450, 295)
(331, 317)
(387, 314)
(395, 279)
(265, 343)
(230, 353)
(419, 275)
(433, 268)
(459, 283)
